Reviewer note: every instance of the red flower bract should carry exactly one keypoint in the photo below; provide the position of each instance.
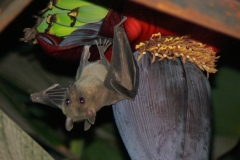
(70, 52)
(142, 22)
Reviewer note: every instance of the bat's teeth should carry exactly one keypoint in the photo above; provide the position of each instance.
(69, 124)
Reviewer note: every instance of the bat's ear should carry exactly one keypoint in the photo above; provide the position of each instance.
(83, 60)
(69, 124)
(123, 74)
(87, 125)
(91, 117)
(50, 96)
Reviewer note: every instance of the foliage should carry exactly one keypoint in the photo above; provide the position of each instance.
(21, 75)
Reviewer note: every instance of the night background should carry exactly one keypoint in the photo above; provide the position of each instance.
(25, 68)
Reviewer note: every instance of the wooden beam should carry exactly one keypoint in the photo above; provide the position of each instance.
(219, 15)
(9, 9)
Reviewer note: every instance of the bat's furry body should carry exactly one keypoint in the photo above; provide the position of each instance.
(98, 84)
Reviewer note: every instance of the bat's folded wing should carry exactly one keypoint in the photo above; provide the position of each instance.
(123, 72)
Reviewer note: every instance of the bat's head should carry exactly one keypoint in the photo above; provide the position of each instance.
(85, 97)
(77, 107)
(74, 105)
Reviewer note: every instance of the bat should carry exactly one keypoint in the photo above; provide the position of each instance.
(97, 84)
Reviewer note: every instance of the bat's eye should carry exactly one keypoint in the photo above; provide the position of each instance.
(67, 101)
(81, 100)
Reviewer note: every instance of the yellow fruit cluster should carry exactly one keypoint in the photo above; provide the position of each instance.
(173, 47)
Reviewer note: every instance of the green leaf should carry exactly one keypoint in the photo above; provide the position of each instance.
(55, 10)
(76, 146)
(60, 30)
(65, 20)
(91, 14)
(42, 26)
(100, 149)
(69, 5)
(16, 144)
(226, 102)
(27, 73)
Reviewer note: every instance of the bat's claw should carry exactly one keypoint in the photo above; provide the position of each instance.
(120, 23)
(103, 46)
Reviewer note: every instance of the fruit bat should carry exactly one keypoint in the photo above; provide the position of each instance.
(97, 83)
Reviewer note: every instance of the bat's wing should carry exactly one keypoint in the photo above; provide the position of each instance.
(50, 96)
(83, 61)
(123, 73)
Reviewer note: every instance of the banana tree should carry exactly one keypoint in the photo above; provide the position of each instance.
(171, 116)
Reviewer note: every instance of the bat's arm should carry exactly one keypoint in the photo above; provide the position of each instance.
(83, 60)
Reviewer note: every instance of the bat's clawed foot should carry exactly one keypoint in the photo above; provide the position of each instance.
(103, 46)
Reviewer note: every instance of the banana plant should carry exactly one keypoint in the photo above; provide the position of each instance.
(61, 18)
(171, 117)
